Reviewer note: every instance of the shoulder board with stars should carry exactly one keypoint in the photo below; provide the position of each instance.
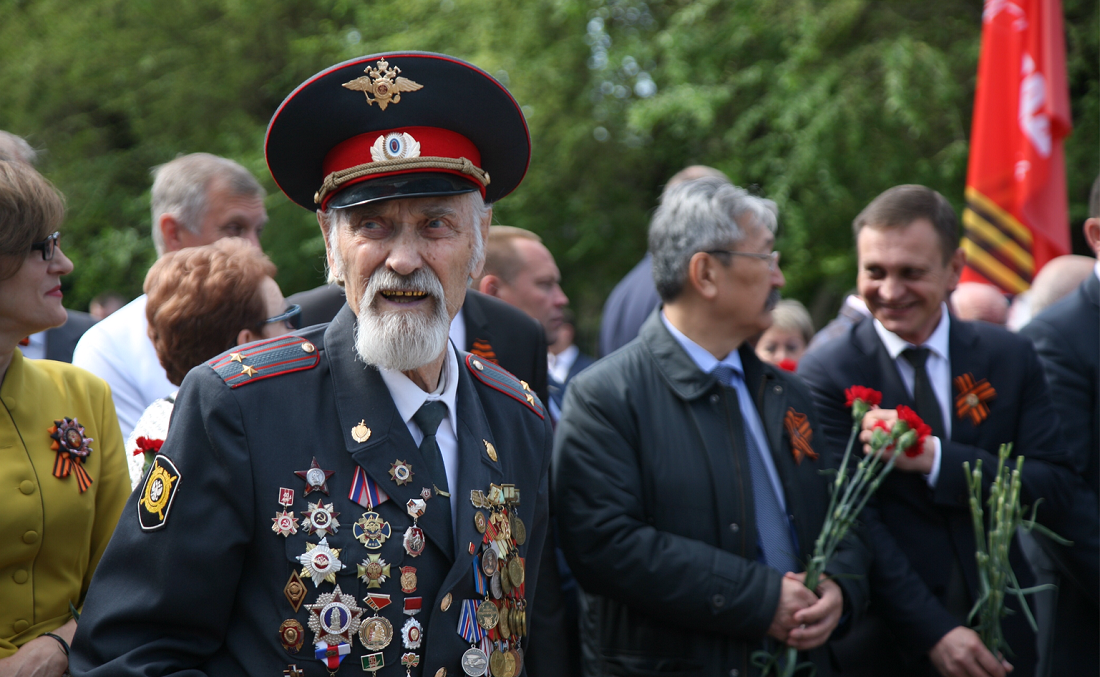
(502, 380)
(264, 359)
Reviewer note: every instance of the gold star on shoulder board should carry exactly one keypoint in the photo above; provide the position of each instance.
(234, 357)
(245, 369)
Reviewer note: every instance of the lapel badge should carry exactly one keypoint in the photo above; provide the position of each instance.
(416, 507)
(408, 580)
(371, 530)
(414, 541)
(320, 519)
(335, 617)
(491, 450)
(384, 83)
(72, 449)
(410, 634)
(293, 670)
(286, 497)
(972, 398)
(479, 521)
(295, 591)
(401, 472)
(285, 524)
(496, 495)
(373, 662)
(413, 605)
(320, 562)
(316, 478)
(360, 433)
(161, 485)
(800, 434)
(374, 571)
(409, 661)
(425, 493)
(477, 498)
(377, 601)
(291, 635)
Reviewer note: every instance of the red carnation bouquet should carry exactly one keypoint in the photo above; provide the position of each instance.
(150, 448)
(850, 492)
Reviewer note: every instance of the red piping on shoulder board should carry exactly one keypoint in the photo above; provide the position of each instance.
(500, 379)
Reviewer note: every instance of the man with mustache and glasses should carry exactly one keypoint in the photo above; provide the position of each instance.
(359, 495)
(686, 473)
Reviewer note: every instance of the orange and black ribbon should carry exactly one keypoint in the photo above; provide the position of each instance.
(798, 429)
(72, 448)
(972, 398)
(484, 350)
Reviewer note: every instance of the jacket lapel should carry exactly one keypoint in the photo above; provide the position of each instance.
(965, 359)
(888, 379)
(362, 396)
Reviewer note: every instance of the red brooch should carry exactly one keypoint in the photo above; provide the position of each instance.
(72, 448)
(798, 429)
(972, 398)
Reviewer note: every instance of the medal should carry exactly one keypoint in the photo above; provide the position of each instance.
(519, 660)
(410, 661)
(468, 626)
(316, 479)
(295, 591)
(332, 655)
(410, 634)
(374, 571)
(508, 667)
(72, 449)
(480, 585)
(495, 587)
(284, 524)
(479, 521)
(291, 635)
(292, 670)
(366, 491)
(414, 541)
(425, 493)
(519, 530)
(334, 618)
(373, 662)
(416, 507)
(488, 615)
(377, 601)
(286, 497)
(320, 562)
(371, 530)
(401, 472)
(477, 498)
(376, 633)
(474, 662)
(408, 580)
(516, 571)
(489, 561)
(412, 605)
(320, 519)
(502, 625)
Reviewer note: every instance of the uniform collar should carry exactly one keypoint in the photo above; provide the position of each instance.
(938, 342)
(408, 397)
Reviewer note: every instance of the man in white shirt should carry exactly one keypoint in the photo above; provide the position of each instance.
(197, 199)
(977, 386)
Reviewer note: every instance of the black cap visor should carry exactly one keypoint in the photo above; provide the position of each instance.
(424, 184)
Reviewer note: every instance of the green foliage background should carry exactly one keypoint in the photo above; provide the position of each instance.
(817, 104)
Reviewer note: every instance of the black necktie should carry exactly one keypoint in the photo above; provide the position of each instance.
(928, 407)
(427, 418)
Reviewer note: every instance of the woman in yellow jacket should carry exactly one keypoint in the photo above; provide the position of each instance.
(63, 477)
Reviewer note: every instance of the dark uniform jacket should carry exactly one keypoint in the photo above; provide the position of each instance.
(1067, 337)
(204, 593)
(656, 516)
(916, 530)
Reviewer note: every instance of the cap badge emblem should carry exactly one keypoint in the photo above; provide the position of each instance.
(384, 83)
(394, 146)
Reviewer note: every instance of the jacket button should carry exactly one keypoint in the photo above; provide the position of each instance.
(20, 576)
(445, 603)
(714, 398)
(20, 625)
(27, 487)
(30, 537)
(718, 601)
(734, 672)
(778, 390)
(441, 672)
(734, 528)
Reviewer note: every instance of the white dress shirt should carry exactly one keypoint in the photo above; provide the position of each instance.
(457, 332)
(408, 398)
(36, 349)
(118, 350)
(938, 367)
(558, 366)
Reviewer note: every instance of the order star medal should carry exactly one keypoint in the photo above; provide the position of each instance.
(371, 530)
(285, 523)
(374, 570)
(335, 617)
(320, 519)
(320, 562)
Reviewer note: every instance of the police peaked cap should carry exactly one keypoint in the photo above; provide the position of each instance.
(393, 125)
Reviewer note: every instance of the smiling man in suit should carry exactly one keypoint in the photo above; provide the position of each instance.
(924, 580)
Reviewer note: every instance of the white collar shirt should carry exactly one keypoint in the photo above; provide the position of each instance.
(408, 398)
(36, 349)
(938, 367)
(558, 366)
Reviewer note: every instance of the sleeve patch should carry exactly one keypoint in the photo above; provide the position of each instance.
(161, 485)
(264, 359)
(503, 381)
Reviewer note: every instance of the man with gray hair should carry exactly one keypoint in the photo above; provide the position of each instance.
(197, 199)
(686, 471)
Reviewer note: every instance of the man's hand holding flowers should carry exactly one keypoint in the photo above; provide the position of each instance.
(920, 456)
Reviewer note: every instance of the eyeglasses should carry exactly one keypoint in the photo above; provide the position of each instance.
(47, 246)
(292, 317)
(772, 258)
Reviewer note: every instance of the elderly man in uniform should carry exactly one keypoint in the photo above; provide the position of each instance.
(687, 475)
(361, 496)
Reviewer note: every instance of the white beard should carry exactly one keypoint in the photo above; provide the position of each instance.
(402, 340)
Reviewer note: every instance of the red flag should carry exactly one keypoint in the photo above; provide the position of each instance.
(1016, 217)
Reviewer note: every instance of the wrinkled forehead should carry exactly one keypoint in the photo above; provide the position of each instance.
(455, 208)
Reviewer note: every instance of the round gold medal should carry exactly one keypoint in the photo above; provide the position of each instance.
(496, 664)
(519, 530)
(376, 633)
(515, 571)
(487, 615)
(509, 667)
(479, 521)
(502, 624)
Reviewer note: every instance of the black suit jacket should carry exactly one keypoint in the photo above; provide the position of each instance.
(628, 306)
(204, 594)
(61, 341)
(495, 330)
(916, 530)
